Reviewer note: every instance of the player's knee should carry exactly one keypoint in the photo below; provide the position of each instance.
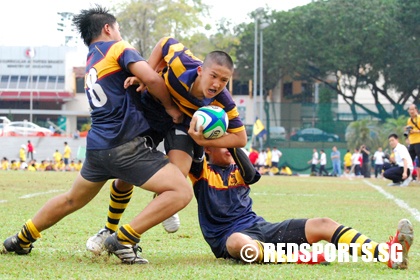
(234, 244)
(326, 223)
(186, 195)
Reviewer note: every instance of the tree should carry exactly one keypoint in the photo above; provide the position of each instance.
(363, 132)
(144, 22)
(348, 46)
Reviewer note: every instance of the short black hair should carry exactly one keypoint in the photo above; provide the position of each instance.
(90, 22)
(393, 135)
(220, 58)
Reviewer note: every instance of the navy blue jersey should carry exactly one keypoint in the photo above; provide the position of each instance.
(115, 119)
(220, 213)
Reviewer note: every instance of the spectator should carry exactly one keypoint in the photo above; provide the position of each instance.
(356, 162)
(412, 132)
(347, 162)
(268, 158)
(262, 156)
(14, 165)
(57, 156)
(253, 156)
(314, 162)
(378, 158)
(79, 165)
(285, 170)
(322, 164)
(22, 153)
(336, 161)
(365, 161)
(23, 165)
(275, 157)
(66, 155)
(5, 164)
(400, 172)
(30, 150)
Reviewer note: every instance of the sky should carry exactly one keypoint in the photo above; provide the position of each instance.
(34, 22)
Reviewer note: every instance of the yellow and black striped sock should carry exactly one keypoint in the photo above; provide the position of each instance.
(348, 235)
(117, 204)
(261, 253)
(28, 234)
(126, 235)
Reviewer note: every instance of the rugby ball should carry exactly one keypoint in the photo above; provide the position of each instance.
(213, 119)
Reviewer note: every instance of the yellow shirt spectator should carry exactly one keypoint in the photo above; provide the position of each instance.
(22, 153)
(57, 156)
(5, 164)
(347, 159)
(79, 165)
(31, 167)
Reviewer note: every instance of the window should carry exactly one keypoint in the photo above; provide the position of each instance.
(23, 83)
(42, 82)
(14, 81)
(80, 85)
(52, 82)
(4, 82)
(60, 82)
(287, 89)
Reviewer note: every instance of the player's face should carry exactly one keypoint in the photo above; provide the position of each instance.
(220, 156)
(115, 32)
(214, 79)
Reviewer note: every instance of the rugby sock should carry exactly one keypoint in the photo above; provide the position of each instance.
(127, 236)
(117, 204)
(261, 253)
(348, 235)
(28, 234)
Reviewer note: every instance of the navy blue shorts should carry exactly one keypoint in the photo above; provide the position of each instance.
(134, 162)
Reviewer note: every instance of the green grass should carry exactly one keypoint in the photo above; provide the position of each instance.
(61, 253)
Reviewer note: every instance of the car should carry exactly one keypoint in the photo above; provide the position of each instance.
(25, 128)
(277, 133)
(314, 134)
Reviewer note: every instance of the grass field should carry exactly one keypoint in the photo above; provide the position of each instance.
(61, 253)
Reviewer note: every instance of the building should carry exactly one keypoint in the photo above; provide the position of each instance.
(44, 85)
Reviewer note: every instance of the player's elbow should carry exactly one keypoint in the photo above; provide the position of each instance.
(241, 139)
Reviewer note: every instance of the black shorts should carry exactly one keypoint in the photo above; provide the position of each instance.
(288, 231)
(178, 139)
(134, 162)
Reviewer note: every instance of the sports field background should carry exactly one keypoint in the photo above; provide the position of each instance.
(367, 205)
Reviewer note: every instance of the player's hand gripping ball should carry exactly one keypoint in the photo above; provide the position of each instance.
(214, 121)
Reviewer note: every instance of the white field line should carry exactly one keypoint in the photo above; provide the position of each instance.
(401, 203)
(40, 193)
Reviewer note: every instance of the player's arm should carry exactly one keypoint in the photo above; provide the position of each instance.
(231, 140)
(156, 60)
(157, 88)
(247, 170)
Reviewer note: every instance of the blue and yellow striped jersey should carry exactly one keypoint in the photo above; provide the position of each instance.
(115, 119)
(180, 75)
(224, 205)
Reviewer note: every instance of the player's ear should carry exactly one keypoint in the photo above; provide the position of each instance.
(199, 70)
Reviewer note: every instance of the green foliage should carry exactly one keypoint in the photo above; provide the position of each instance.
(363, 132)
(144, 22)
(61, 253)
(348, 46)
(373, 133)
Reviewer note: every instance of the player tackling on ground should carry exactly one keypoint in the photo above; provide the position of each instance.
(192, 84)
